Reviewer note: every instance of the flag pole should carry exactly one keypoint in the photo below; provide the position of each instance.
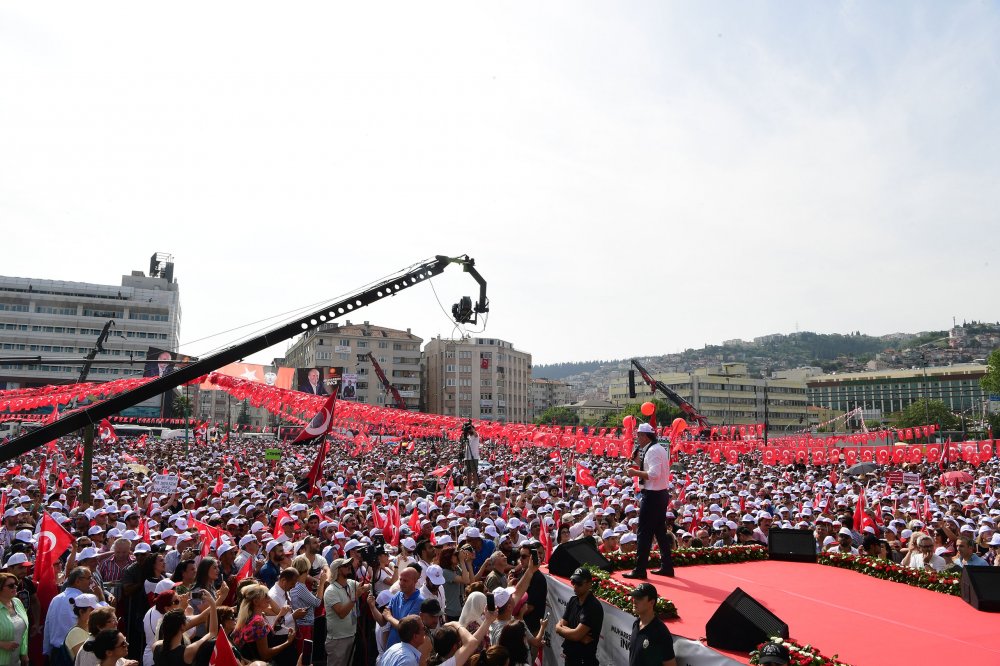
(87, 473)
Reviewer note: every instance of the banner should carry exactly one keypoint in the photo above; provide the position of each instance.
(165, 484)
(616, 634)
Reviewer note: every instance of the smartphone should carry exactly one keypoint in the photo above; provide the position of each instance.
(198, 594)
(491, 602)
(307, 652)
(534, 557)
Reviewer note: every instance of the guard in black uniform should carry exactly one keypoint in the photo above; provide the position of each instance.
(580, 626)
(652, 644)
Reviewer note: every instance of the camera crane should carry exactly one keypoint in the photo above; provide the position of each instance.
(655, 385)
(425, 270)
(396, 397)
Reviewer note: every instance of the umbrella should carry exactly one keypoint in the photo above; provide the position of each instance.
(861, 468)
(955, 478)
(485, 466)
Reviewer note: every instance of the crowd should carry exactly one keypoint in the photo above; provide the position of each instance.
(246, 554)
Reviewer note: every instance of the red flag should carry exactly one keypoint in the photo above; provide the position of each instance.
(282, 515)
(927, 509)
(700, 515)
(223, 655)
(53, 541)
(450, 488)
(441, 471)
(246, 571)
(219, 485)
(506, 477)
(546, 541)
(3, 502)
(861, 517)
(316, 471)
(394, 521)
(320, 424)
(106, 432)
(207, 533)
(743, 505)
(833, 476)
(584, 476)
(414, 523)
(12, 472)
(144, 529)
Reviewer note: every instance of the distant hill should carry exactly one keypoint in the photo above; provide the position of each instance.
(564, 370)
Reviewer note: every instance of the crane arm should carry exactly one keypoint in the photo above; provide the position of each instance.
(396, 397)
(655, 385)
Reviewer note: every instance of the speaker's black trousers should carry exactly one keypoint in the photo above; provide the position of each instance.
(652, 516)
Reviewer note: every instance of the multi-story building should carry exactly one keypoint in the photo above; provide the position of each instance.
(727, 395)
(479, 378)
(61, 321)
(888, 391)
(592, 411)
(546, 393)
(345, 347)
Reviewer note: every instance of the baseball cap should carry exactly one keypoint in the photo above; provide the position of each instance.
(18, 558)
(436, 575)
(645, 590)
(85, 601)
(580, 575)
(772, 653)
(164, 586)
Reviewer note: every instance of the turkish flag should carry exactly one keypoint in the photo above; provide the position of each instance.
(282, 514)
(12, 472)
(219, 485)
(584, 476)
(861, 517)
(450, 488)
(207, 533)
(106, 432)
(53, 541)
(311, 483)
(441, 471)
(246, 571)
(320, 424)
(223, 655)
(414, 523)
(546, 541)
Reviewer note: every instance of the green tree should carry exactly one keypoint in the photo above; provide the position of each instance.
(558, 416)
(244, 417)
(182, 406)
(991, 380)
(925, 412)
(665, 413)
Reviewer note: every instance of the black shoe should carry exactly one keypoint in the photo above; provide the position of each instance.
(669, 573)
(638, 575)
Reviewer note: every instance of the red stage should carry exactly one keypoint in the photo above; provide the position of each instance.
(862, 619)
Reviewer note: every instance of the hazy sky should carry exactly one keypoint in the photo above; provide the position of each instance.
(632, 178)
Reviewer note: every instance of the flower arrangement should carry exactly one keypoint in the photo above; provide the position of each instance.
(799, 655)
(690, 556)
(618, 594)
(886, 570)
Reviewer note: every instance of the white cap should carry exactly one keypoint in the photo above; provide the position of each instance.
(409, 544)
(645, 428)
(164, 585)
(435, 574)
(352, 544)
(18, 558)
(224, 548)
(85, 601)
(628, 537)
(86, 554)
(247, 539)
(141, 548)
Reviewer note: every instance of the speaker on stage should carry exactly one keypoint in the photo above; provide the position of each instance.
(567, 557)
(981, 588)
(791, 545)
(741, 624)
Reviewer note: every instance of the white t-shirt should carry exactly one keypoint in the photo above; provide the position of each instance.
(472, 448)
(917, 561)
(150, 626)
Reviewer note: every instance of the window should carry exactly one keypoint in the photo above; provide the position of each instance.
(44, 309)
(103, 314)
(362, 344)
(384, 345)
(14, 307)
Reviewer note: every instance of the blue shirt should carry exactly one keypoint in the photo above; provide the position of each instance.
(401, 654)
(975, 561)
(400, 607)
(59, 620)
(268, 574)
(480, 558)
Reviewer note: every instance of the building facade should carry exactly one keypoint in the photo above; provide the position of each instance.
(727, 395)
(345, 347)
(887, 391)
(58, 320)
(478, 378)
(546, 393)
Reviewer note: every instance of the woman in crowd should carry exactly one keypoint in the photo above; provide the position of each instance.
(205, 588)
(83, 605)
(472, 615)
(13, 623)
(303, 598)
(173, 648)
(184, 576)
(454, 565)
(100, 619)
(154, 569)
(163, 603)
(385, 574)
(493, 656)
(253, 633)
(109, 648)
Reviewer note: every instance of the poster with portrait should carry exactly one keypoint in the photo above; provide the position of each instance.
(349, 388)
(318, 380)
(159, 362)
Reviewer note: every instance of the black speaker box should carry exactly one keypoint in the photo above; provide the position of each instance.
(981, 588)
(569, 556)
(741, 624)
(791, 545)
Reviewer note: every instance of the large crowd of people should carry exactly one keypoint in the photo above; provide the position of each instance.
(290, 574)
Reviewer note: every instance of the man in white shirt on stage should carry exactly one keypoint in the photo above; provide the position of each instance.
(652, 466)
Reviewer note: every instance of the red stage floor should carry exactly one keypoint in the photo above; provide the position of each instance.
(862, 619)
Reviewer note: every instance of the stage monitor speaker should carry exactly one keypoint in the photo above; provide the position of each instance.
(791, 545)
(567, 557)
(741, 624)
(981, 588)
(631, 383)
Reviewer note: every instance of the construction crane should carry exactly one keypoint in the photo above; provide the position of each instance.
(389, 388)
(464, 312)
(686, 407)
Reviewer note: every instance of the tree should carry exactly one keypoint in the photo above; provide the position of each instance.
(991, 380)
(665, 414)
(182, 406)
(558, 416)
(926, 412)
(244, 416)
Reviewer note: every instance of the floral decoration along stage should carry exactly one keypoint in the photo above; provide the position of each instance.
(691, 556)
(618, 594)
(870, 566)
(800, 655)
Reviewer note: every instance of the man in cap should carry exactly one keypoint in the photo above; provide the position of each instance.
(772, 653)
(341, 620)
(651, 644)
(580, 626)
(653, 470)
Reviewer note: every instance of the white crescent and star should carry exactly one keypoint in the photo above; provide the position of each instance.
(249, 373)
(49, 538)
(326, 422)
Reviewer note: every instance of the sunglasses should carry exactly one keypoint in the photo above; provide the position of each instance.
(12, 586)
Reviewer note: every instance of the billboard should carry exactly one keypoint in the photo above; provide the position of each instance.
(159, 362)
(349, 390)
(264, 374)
(318, 380)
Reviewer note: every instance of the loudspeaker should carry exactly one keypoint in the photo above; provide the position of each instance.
(791, 545)
(981, 588)
(741, 624)
(569, 556)
(631, 383)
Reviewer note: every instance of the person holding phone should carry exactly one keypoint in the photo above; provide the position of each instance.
(538, 590)
(340, 601)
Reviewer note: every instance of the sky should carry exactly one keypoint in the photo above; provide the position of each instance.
(632, 178)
